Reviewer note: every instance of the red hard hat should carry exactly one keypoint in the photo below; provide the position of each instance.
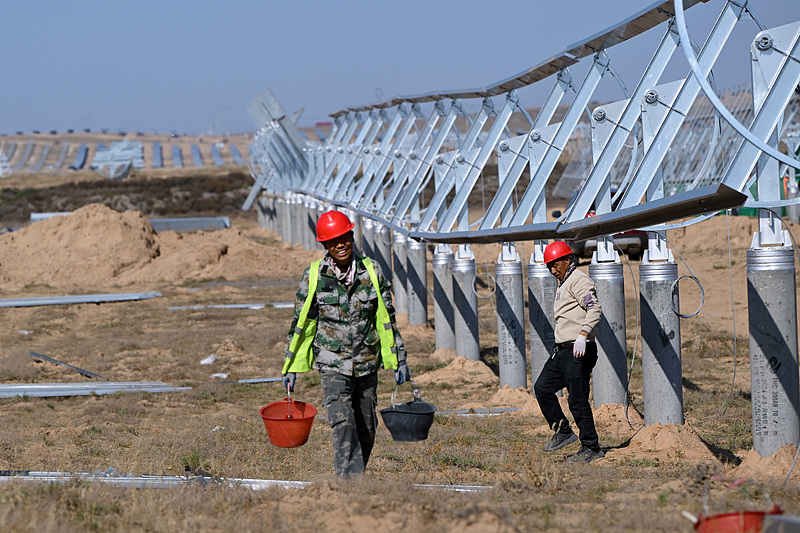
(556, 250)
(332, 224)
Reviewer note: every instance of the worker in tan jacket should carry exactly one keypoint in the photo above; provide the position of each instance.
(577, 313)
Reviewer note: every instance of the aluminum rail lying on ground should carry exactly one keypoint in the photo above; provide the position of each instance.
(111, 477)
(67, 365)
(255, 306)
(190, 223)
(49, 390)
(80, 299)
(163, 224)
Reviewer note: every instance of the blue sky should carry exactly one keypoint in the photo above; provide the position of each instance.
(195, 66)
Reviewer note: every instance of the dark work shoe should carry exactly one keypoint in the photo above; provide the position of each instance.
(585, 455)
(560, 440)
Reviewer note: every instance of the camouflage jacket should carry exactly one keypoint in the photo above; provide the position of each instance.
(347, 341)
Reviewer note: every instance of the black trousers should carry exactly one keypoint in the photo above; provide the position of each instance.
(566, 370)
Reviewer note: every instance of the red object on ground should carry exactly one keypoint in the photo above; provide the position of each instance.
(288, 423)
(736, 522)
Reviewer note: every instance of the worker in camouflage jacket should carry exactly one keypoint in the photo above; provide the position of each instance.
(344, 326)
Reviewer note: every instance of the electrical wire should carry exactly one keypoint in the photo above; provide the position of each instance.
(485, 255)
(635, 342)
(691, 277)
(733, 313)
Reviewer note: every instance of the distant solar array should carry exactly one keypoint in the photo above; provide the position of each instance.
(197, 157)
(237, 156)
(61, 157)
(177, 156)
(40, 162)
(117, 160)
(25, 156)
(37, 156)
(80, 157)
(216, 156)
(157, 155)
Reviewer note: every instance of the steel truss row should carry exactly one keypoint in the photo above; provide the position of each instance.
(667, 154)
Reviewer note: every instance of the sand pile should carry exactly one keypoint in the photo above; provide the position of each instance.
(96, 246)
(93, 243)
(461, 370)
(668, 442)
(508, 397)
(520, 398)
(610, 421)
(443, 355)
(774, 467)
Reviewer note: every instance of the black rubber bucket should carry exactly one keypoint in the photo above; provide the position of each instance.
(410, 421)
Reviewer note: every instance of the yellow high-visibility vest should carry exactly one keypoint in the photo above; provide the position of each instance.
(302, 358)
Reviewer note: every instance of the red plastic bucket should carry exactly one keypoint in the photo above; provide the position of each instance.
(736, 522)
(288, 422)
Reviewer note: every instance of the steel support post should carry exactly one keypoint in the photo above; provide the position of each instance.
(466, 304)
(510, 319)
(610, 375)
(772, 311)
(443, 319)
(399, 273)
(280, 216)
(309, 223)
(301, 211)
(298, 221)
(355, 218)
(383, 248)
(541, 295)
(264, 205)
(368, 236)
(661, 349)
(288, 205)
(321, 208)
(417, 285)
(272, 213)
(793, 211)
(291, 219)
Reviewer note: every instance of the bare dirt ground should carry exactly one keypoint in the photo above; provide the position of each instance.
(647, 478)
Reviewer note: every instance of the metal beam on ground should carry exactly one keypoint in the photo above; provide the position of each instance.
(50, 390)
(79, 299)
(67, 365)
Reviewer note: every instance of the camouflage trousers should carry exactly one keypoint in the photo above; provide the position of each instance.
(351, 405)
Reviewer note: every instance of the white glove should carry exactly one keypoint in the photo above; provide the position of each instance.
(579, 348)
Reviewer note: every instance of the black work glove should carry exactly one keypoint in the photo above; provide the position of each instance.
(402, 374)
(288, 381)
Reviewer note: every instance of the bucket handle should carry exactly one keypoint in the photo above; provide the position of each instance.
(289, 402)
(417, 397)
